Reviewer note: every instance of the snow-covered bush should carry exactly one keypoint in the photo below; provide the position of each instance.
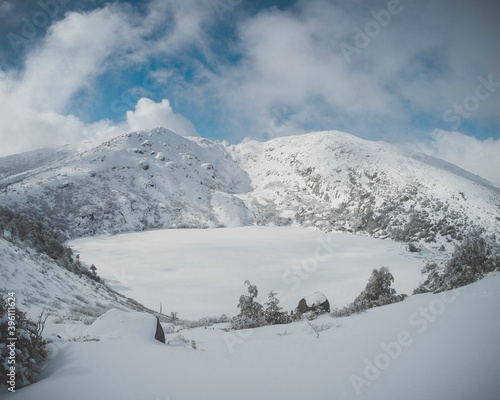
(349, 309)
(315, 311)
(273, 313)
(251, 312)
(28, 353)
(471, 261)
(432, 273)
(378, 292)
(317, 328)
(178, 340)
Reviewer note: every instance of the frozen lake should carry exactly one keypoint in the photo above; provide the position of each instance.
(201, 272)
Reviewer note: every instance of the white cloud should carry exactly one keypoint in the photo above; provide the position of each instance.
(426, 59)
(291, 75)
(73, 53)
(35, 101)
(149, 114)
(481, 157)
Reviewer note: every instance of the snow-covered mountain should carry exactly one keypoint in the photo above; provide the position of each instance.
(134, 182)
(336, 181)
(329, 180)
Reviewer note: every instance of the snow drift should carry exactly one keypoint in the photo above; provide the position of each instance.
(429, 346)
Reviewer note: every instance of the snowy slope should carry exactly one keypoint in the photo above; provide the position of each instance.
(441, 346)
(328, 180)
(42, 285)
(15, 165)
(336, 181)
(446, 345)
(134, 182)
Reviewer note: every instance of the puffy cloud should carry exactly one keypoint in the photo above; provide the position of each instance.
(59, 76)
(36, 99)
(284, 71)
(417, 63)
(481, 157)
(149, 114)
(75, 51)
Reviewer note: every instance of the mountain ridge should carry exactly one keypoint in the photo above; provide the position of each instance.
(329, 180)
(333, 176)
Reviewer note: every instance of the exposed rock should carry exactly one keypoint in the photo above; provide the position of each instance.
(314, 302)
(160, 334)
(412, 248)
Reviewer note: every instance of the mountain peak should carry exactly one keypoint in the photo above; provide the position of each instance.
(329, 180)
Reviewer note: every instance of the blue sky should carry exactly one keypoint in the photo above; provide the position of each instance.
(421, 74)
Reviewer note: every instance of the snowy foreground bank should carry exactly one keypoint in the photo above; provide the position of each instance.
(443, 346)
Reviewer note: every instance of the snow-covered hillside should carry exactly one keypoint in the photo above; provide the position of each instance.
(42, 285)
(336, 181)
(134, 182)
(328, 180)
(443, 346)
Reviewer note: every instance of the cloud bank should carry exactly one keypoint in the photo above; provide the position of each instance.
(383, 70)
(38, 101)
(481, 157)
(411, 63)
(149, 114)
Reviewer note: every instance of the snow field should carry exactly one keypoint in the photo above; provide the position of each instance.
(387, 352)
(200, 273)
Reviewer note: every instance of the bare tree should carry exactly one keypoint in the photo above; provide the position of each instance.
(40, 325)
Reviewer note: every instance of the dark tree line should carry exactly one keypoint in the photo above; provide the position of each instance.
(472, 259)
(27, 232)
